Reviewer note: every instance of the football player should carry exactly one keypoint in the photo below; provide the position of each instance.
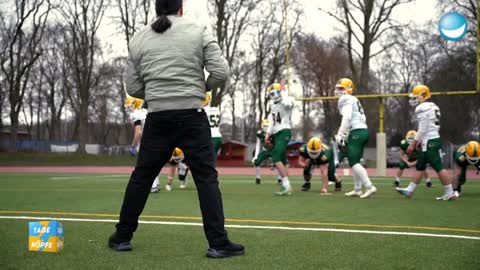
(314, 153)
(352, 136)
(427, 114)
(262, 152)
(176, 162)
(408, 161)
(213, 114)
(464, 155)
(279, 131)
(138, 114)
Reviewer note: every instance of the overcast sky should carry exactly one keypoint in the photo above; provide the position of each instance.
(314, 20)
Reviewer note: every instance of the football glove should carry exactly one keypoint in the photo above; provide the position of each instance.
(133, 150)
(341, 140)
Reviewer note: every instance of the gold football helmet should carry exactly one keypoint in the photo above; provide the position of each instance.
(344, 86)
(265, 124)
(133, 103)
(314, 147)
(208, 98)
(419, 94)
(472, 152)
(177, 155)
(274, 92)
(410, 137)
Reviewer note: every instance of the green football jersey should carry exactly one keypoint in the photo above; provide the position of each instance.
(461, 159)
(404, 145)
(325, 155)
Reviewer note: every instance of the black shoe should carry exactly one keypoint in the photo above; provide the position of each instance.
(119, 246)
(228, 250)
(306, 186)
(257, 181)
(429, 184)
(279, 181)
(396, 183)
(338, 186)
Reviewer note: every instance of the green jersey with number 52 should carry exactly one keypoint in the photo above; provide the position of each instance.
(213, 114)
(358, 119)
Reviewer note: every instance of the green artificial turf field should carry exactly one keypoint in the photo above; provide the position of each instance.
(302, 231)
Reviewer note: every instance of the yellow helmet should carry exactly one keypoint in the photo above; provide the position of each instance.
(419, 94)
(274, 92)
(410, 137)
(133, 103)
(314, 147)
(177, 154)
(344, 86)
(208, 98)
(472, 152)
(265, 124)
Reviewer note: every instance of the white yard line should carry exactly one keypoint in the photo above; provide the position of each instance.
(452, 236)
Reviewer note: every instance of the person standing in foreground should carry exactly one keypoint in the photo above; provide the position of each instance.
(165, 68)
(427, 114)
(279, 130)
(353, 136)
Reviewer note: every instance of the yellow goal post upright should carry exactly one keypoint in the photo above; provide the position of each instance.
(381, 136)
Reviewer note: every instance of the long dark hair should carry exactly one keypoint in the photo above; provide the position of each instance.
(164, 8)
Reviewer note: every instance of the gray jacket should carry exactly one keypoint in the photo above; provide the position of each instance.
(166, 70)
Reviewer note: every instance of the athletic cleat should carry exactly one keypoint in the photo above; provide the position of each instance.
(354, 193)
(228, 250)
(183, 185)
(258, 181)
(447, 197)
(306, 186)
(338, 186)
(457, 193)
(154, 190)
(279, 181)
(404, 192)
(396, 183)
(117, 246)
(330, 183)
(168, 187)
(369, 192)
(284, 191)
(429, 184)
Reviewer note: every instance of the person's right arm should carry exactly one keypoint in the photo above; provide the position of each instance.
(215, 62)
(134, 82)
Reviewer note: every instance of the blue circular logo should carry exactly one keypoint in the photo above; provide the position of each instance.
(453, 26)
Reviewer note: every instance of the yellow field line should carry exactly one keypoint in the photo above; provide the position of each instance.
(254, 221)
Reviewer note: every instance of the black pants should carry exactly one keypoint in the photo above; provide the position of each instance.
(190, 131)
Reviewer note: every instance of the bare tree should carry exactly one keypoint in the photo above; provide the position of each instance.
(319, 64)
(56, 72)
(270, 45)
(19, 51)
(133, 15)
(83, 18)
(232, 19)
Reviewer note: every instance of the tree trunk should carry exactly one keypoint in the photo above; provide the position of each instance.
(13, 130)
